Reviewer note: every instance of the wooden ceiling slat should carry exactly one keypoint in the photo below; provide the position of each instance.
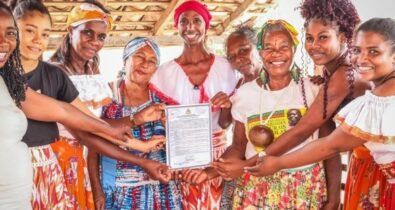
(157, 16)
(235, 15)
(165, 17)
(109, 3)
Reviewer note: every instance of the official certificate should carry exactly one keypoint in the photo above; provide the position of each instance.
(188, 134)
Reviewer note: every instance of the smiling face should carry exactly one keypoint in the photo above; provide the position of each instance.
(241, 55)
(34, 33)
(372, 55)
(88, 38)
(141, 65)
(191, 27)
(323, 41)
(8, 33)
(277, 53)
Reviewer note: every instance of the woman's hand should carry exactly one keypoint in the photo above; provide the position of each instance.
(157, 170)
(99, 199)
(155, 143)
(221, 100)
(149, 114)
(193, 176)
(268, 165)
(229, 169)
(121, 132)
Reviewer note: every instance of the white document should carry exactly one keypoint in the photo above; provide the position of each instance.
(189, 136)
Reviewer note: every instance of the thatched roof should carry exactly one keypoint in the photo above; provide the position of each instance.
(155, 18)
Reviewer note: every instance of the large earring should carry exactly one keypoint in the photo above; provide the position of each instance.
(295, 73)
(264, 77)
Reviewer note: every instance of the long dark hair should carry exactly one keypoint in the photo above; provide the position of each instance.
(345, 16)
(22, 7)
(12, 71)
(62, 55)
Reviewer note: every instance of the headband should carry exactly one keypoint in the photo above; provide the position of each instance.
(287, 26)
(139, 42)
(196, 6)
(86, 12)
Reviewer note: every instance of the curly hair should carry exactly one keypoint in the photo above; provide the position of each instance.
(62, 55)
(12, 71)
(344, 16)
(243, 31)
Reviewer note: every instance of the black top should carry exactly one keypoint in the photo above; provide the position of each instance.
(49, 80)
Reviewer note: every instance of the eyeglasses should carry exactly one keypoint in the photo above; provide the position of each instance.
(91, 34)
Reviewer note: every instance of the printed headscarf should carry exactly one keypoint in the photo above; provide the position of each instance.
(135, 44)
(196, 6)
(287, 26)
(86, 12)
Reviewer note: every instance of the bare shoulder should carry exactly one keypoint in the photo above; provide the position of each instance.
(386, 89)
(338, 84)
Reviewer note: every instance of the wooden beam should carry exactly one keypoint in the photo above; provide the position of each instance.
(235, 15)
(166, 16)
(109, 3)
(120, 41)
(119, 23)
(113, 32)
(115, 13)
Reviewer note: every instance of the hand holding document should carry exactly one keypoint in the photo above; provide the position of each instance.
(189, 136)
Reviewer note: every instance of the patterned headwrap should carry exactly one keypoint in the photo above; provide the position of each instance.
(86, 12)
(196, 6)
(287, 26)
(135, 44)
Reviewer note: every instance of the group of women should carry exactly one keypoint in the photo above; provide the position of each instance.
(274, 161)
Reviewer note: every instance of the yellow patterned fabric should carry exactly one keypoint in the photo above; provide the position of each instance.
(86, 12)
(290, 29)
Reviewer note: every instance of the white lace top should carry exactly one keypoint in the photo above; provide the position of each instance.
(372, 118)
(94, 91)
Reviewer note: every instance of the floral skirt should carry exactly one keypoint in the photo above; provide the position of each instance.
(49, 186)
(301, 189)
(73, 165)
(364, 186)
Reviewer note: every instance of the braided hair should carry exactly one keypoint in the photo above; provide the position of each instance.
(344, 15)
(12, 71)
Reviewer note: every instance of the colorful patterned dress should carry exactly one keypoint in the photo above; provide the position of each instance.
(127, 186)
(370, 118)
(95, 93)
(172, 86)
(297, 188)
